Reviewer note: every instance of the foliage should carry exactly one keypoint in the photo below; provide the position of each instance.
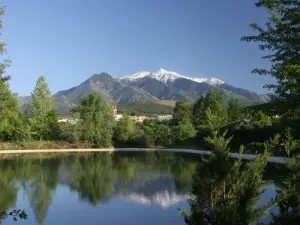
(96, 121)
(11, 122)
(125, 129)
(198, 111)
(184, 130)
(214, 100)
(288, 196)
(5, 63)
(40, 113)
(181, 112)
(212, 122)
(12, 126)
(289, 144)
(280, 38)
(261, 118)
(234, 110)
(163, 135)
(181, 124)
(153, 133)
(71, 132)
(15, 214)
(225, 192)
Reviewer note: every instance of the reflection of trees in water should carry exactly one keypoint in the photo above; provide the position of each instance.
(8, 190)
(96, 177)
(41, 181)
(183, 172)
(93, 177)
(37, 177)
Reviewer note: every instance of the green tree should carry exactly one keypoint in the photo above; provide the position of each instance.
(5, 63)
(280, 38)
(226, 192)
(181, 112)
(147, 136)
(184, 130)
(259, 117)
(289, 143)
(288, 196)
(96, 120)
(11, 121)
(288, 191)
(12, 126)
(214, 100)
(182, 126)
(234, 110)
(198, 111)
(40, 112)
(71, 131)
(125, 129)
(162, 135)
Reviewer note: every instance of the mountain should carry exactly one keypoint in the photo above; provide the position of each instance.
(146, 87)
(168, 85)
(146, 108)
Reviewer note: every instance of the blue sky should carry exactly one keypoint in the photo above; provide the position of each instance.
(69, 40)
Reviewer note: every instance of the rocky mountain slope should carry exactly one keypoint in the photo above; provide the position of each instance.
(146, 87)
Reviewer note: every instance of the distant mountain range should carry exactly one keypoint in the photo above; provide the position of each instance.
(147, 86)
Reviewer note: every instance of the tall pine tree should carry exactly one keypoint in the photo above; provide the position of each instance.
(40, 112)
(234, 110)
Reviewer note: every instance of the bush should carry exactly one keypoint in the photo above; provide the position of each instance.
(255, 147)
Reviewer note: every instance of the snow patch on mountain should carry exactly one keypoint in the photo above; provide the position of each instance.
(169, 76)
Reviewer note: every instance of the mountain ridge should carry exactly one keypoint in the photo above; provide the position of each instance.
(166, 76)
(146, 87)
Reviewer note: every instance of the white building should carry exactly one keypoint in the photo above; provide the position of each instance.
(164, 117)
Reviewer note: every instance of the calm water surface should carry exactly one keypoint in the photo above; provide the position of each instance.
(101, 188)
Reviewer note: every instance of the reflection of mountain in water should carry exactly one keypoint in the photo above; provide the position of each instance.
(164, 199)
(152, 188)
(145, 187)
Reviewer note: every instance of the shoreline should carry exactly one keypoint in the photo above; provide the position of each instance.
(273, 159)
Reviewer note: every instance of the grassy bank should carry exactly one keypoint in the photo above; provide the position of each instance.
(39, 145)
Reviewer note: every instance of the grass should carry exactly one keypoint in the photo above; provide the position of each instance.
(39, 145)
(170, 103)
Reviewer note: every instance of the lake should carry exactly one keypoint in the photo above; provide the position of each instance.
(101, 188)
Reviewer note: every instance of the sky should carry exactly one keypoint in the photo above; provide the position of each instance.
(70, 40)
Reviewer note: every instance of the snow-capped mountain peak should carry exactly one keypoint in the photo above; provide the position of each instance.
(169, 76)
